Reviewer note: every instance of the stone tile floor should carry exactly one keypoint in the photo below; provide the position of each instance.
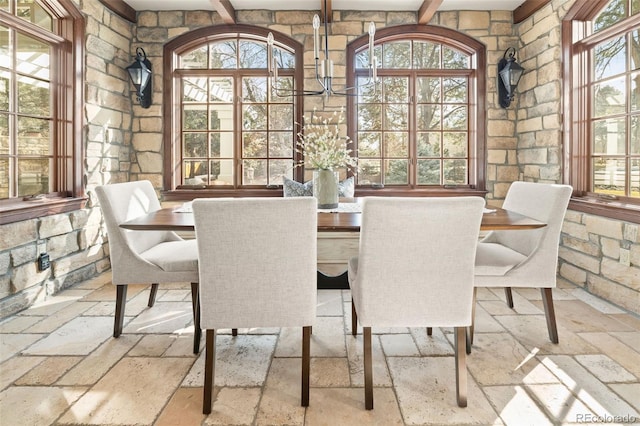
(60, 365)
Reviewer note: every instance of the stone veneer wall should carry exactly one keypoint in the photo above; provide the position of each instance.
(596, 253)
(75, 241)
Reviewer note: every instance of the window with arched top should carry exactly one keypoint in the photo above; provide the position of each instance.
(422, 126)
(41, 95)
(228, 129)
(602, 126)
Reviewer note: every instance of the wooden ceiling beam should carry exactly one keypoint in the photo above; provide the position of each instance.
(225, 10)
(120, 8)
(528, 8)
(427, 10)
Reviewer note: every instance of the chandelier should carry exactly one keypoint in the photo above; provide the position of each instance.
(324, 67)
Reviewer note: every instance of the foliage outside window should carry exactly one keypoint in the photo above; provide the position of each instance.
(605, 144)
(39, 147)
(416, 128)
(234, 130)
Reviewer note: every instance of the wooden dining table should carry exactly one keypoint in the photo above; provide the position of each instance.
(345, 226)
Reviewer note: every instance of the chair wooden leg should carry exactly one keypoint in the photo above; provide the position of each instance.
(209, 370)
(152, 294)
(121, 301)
(306, 365)
(550, 313)
(368, 369)
(473, 320)
(509, 295)
(429, 331)
(234, 331)
(197, 331)
(354, 319)
(461, 366)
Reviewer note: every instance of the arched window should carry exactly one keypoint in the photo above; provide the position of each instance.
(602, 128)
(227, 128)
(423, 125)
(41, 56)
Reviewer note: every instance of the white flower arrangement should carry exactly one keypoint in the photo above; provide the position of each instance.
(322, 146)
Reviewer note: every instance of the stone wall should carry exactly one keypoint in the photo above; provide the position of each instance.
(76, 241)
(598, 254)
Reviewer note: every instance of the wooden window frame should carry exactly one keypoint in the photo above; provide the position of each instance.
(576, 128)
(171, 106)
(476, 101)
(67, 91)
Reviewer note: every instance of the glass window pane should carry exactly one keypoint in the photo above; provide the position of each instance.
(396, 117)
(428, 172)
(5, 80)
(278, 169)
(194, 117)
(610, 97)
(197, 58)
(426, 55)
(4, 134)
(254, 89)
(6, 58)
(281, 144)
(221, 89)
(454, 144)
(429, 117)
(221, 117)
(254, 117)
(454, 59)
(454, 89)
(285, 59)
(369, 144)
(222, 172)
(396, 89)
(635, 135)
(609, 176)
(428, 89)
(253, 54)
(635, 6)
(32, 57)
(369, 93)
(369, 117)
(610, 136)
(454, 117)
(222, 55)
(34, 96)
(281, 117)
(610, 58)
(362, 59)
(635, 91)
(221, 145)
(254, 172)
(195, 145)
(254, 144)
(396, 54)
(195, 172)
(396, 144)
(635, 178)
(396, 172)
(31, 11)
(454, 172)
(194, 89)
(369, 172)
(4, 178)
(610, 15)
(34, 136)
(429, 144)
(33, 176)
(282, 91)
(635, 50)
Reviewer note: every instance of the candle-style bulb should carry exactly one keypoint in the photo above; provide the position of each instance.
(316, 22)
(372, 29)
(270, 39)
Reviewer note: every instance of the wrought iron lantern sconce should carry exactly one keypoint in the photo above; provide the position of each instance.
(509, 73)
(324, 67)
(140, 74)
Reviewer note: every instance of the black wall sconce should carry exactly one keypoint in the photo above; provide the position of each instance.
(140, 73)
(509, 73)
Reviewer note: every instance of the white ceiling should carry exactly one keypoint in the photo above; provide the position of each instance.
(412, 5)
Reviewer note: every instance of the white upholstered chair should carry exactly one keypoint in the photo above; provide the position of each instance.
(144, 256)
(415, 269)
(257, 269)
(526, 258)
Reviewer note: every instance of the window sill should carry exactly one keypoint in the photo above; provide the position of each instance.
(607, 208)
(18, 210)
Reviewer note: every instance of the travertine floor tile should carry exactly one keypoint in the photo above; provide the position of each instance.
(329, 372)
(628, 319)
(18, 323)
(163, 317)
(280, 403)
(184, 408)
(578, 317)
(174, 296)
(35, 405)
(595, 302)
(11, 344)
(559, 402)
(629, 338)
(436, 344)
(48, 371)
(381, 375)
(327, 339)
(61, 317)
(399, 345)
(234, 406)
(14, 368)
(630, 392)
(485, 323)
(130, 393)
(605, 369)
(79, 336)
(515, 406)
(153, 345)
(426, 393)
(346, 407)
(616, 350)
(329, 303)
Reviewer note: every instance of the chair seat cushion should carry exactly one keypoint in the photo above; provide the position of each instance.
(174, 256)
(496, 259)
